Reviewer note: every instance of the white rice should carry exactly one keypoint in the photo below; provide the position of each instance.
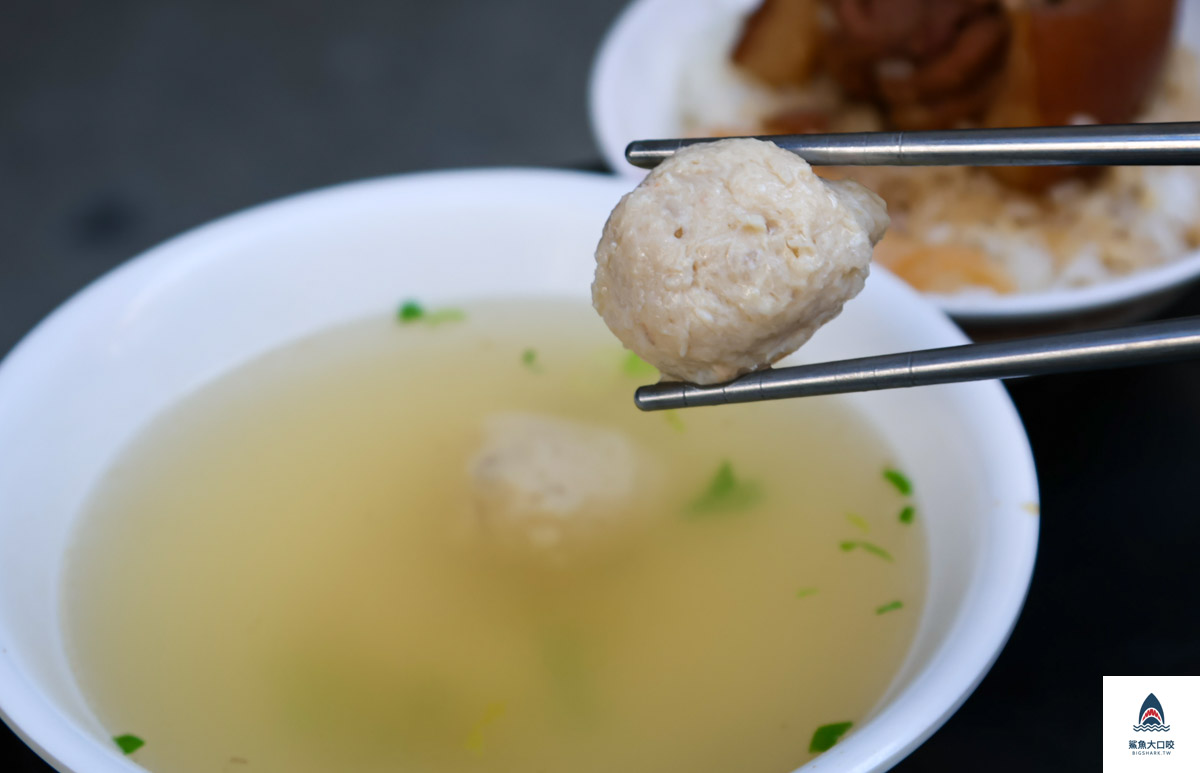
(1077, 233)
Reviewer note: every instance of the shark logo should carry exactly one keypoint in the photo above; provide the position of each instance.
(1152, 716)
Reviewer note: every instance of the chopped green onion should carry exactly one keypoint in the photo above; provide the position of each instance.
(672, 418)
(858, 521)
(849, 545)
(529, 359)
(907, 514)
(889, 607)
(725, 492)
(491, 714)
(805, 592)
(410, 311)
(636, 367)
(128, 743)
(826, 736)
(899, 480)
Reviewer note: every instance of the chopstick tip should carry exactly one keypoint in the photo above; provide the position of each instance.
(641, 155)
(660, 397)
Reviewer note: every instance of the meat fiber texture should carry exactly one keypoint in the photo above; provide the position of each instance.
(729, 256)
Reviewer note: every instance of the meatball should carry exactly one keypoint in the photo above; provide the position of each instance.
(729, 256)
(552, 488)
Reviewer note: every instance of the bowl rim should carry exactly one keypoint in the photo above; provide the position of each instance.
(980, 307)
(1053, 304)
(962, 657)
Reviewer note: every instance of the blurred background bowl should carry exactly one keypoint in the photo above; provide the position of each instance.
(636, 93)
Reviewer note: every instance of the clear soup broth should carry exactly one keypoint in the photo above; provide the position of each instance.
(275, 574)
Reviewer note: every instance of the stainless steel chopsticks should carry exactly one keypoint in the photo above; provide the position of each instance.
(1144, 144)
(1175, 339)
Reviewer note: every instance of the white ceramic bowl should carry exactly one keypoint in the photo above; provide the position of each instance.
(87, 378)
(635, 94)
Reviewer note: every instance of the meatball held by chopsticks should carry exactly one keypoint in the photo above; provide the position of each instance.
(935, 64)
(729, 255)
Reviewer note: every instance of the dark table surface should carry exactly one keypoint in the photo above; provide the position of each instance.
(125, 122)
